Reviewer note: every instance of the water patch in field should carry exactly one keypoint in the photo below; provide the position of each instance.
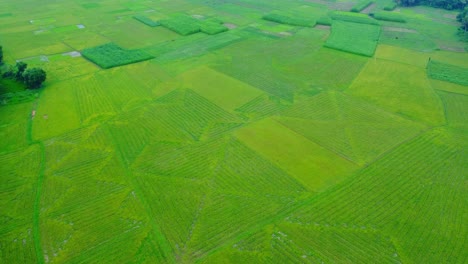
(80, 26)
(398, 29)
(72, 54)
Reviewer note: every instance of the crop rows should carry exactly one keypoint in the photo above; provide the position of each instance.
(295, 243)
(446, 72)
(180, 160)
(262, 78)
(261, 106)
(347, 126)
(111, 55)
(456, 108)
(182, 24)
(226, 216)
(413, 178)
(245, 172)
(91, 99)
(176, 203)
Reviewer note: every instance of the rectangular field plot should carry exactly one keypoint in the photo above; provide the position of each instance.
(423, 175)
(400, 88)
(446, 72)
(356, 38)
(225, 91)
(312, 165)
(111, 55)
(289, 19)
(182, 24)
(352, 128)
(147, 21)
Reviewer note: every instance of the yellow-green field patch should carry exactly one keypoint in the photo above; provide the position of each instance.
(402, 55)
(399, 88)
(56, 112)
(225, 91)
(312, 165)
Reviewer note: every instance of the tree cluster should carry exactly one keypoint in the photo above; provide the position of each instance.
(446, 4)
(32, 78)
(463, 19)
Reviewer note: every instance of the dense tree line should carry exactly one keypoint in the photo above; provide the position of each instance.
(446, 4)
(32, 78)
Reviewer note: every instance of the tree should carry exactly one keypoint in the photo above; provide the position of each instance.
(33, 78)
(20, 68)
(1, 55)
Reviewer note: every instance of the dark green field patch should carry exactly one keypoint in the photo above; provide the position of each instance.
(289, 19)
(90, 5)
(212, 28)
(356, 38)
(446, 72)
(353, 17)
(389, 16)
(147, 21)
(361, 6)
(182, 24)
(111, 55)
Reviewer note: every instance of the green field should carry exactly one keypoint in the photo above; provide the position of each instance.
(241, 131)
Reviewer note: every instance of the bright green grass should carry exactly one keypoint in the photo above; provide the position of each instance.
(446, 72)
(111, 55)
(356, 38)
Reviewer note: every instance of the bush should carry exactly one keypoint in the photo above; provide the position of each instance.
(355, 38)
(289, 19)
(33, 78)
(389, 16)
(111, 55)
(147, 21)
(353, 17)
(447, 72)
(361, 6)
(182, 24)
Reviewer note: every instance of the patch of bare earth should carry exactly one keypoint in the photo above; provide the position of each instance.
(398, 29)
(230, 25)
(369, 9)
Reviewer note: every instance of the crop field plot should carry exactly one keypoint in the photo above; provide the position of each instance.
(356, 38)
(377, 82)
(240, 131)
(111, 55)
